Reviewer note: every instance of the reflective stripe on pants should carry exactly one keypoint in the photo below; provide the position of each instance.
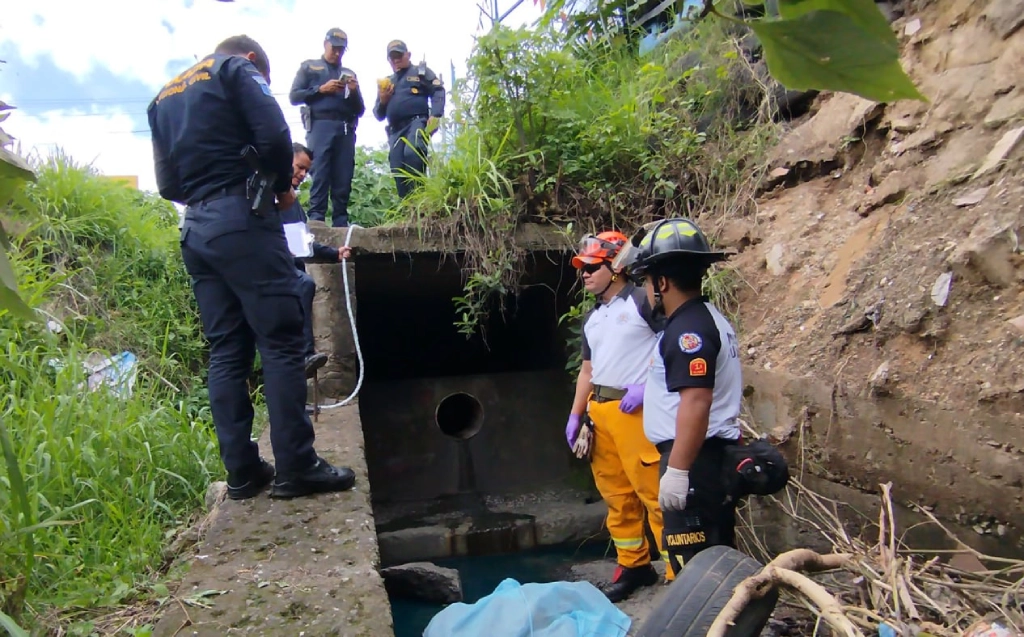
(625, 467)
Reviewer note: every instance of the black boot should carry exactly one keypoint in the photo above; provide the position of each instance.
(248, 482)
(320, 478)
(314, 362)
(628, 580)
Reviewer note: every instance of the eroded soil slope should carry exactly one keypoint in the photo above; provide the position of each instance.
(885, 260)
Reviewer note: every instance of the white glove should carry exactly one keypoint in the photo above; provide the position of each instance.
(675, 484)
(583, 441)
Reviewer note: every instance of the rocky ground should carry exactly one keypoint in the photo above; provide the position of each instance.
(883, 263)
(888, 244)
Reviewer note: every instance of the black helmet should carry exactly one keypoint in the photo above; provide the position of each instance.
(665, 241)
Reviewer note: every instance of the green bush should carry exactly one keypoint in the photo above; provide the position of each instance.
(554, 128)
(374, 196)
(104, 478)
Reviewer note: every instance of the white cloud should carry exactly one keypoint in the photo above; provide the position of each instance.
(129, 38)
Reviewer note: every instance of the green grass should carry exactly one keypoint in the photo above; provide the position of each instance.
(106, 479)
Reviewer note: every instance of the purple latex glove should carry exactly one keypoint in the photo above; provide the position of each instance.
(633, 399)
(572, 429)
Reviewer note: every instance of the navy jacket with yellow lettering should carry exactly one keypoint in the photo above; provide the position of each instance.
(306, 90)
(203, 119)
(418, 93)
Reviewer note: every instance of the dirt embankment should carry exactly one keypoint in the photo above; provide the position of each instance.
(883, 270)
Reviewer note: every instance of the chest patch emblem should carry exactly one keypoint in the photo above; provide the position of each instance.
(622, 318)
(690, 343)
(413, 78)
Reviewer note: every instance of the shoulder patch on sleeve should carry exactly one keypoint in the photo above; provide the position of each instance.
(263, 84)
(691, 343)
(698, 367)
(437, 81)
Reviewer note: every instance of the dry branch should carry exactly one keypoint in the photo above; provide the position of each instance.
(879, 579)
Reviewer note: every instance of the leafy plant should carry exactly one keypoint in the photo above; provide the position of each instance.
(13, 173)
(95, 481)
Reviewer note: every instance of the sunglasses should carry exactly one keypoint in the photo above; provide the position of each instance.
(591, 268)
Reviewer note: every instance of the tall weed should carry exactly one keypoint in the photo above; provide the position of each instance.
(94, 482)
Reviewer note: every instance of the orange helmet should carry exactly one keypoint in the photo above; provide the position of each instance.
(601, 248)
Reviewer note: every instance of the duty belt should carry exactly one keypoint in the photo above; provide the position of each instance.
(347, 121)
(603, 394)
(228, 191)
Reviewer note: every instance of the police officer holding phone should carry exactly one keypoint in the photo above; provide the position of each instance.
(234, 248)
(331, 107)
(412, 100)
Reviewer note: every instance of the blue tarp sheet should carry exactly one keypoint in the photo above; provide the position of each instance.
(557, 609)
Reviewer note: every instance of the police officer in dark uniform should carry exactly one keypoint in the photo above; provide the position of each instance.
(331, 107)
(412, 100)
(302, 159)
(234, 249)
(694, 389)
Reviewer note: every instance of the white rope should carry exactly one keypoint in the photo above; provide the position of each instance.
(352, 322)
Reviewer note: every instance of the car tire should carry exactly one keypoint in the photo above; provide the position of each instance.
(692, 602)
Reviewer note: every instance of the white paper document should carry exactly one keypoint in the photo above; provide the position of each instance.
(300, 241)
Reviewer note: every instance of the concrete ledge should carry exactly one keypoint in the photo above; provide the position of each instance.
(506, 525)
(301, 567)
(411, 239)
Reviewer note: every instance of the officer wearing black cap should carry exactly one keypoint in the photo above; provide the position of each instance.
(694, 388)
(331, 107)
(211, 126)
(412, 100)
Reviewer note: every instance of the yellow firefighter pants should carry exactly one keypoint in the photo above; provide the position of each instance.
(625, 466)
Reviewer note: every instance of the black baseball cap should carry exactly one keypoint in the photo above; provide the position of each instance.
(397, 46)
(337, 37)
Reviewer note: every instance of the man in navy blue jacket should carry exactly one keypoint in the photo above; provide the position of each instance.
(302, 159)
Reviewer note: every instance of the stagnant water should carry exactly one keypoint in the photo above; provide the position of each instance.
(481, 575)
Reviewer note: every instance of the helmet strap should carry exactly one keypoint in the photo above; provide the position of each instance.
(659, 302)
(608, 265)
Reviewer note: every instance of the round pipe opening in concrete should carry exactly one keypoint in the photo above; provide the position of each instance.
(459, 415)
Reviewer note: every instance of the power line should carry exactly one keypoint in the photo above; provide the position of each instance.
(100, 100)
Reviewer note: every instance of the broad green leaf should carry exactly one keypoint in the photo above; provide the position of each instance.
(12, 627)
(863, 12)
(827, 50)
(9, 298)
(14, 167)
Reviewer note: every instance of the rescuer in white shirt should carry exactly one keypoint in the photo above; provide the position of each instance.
(619, 337)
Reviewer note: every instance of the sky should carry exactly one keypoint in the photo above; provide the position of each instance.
(81, 72)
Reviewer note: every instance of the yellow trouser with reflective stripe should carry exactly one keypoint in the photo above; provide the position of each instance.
(625, 466)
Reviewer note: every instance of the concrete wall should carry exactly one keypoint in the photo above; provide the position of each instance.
(520, 445)
(935, 458)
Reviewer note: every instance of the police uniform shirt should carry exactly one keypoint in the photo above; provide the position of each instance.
(306, 90)
(698, 348)
(419, 92)
(619, 338)
(203, 118)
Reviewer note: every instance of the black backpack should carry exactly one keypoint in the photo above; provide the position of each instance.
(755, 468)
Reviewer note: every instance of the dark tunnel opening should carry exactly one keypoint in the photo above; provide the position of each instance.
(407, 319)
